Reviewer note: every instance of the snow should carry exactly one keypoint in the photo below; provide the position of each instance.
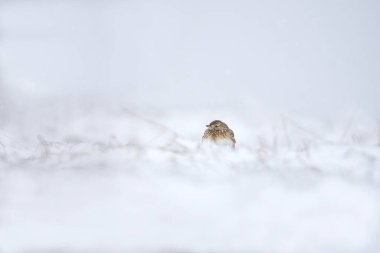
(103, 105)
(109, 179)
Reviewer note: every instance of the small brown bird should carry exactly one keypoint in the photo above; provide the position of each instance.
(218, 132)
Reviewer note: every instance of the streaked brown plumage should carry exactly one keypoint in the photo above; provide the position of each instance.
(218, 132)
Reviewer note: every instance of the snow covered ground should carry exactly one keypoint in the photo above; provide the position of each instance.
(103, 105)
(108, 178)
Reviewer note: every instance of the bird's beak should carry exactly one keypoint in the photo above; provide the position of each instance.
(207, 125)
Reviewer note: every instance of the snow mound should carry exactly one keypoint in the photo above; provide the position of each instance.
(77, 177)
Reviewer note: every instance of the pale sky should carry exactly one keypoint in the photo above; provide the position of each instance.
(308, 57)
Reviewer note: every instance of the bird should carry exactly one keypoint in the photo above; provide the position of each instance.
(218, 132)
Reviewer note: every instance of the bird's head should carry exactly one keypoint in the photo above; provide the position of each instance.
(217, 125)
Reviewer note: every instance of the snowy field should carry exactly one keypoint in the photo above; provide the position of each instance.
(114, 179)
(104, 103)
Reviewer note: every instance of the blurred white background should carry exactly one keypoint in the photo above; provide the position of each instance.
(314, 58)
(103, 104)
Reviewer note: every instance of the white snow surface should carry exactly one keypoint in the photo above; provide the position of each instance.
(76, 176)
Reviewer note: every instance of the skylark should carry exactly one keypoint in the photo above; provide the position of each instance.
(218, 132)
